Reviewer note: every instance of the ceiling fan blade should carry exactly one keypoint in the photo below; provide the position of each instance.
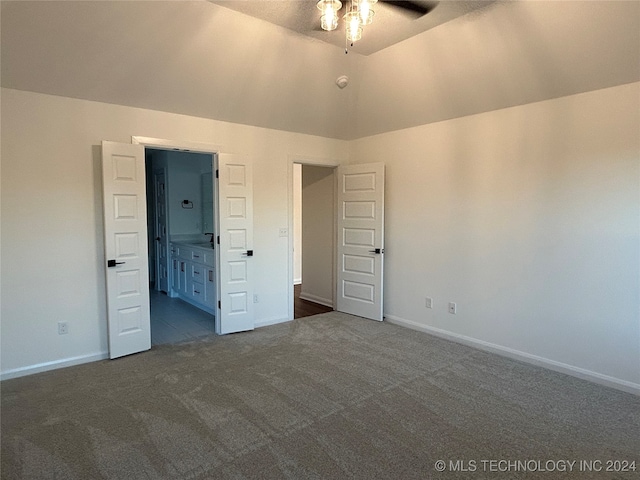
(416, 9)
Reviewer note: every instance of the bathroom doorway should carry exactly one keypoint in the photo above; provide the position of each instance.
(180, 207)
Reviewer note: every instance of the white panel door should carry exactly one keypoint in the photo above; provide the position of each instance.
(235, 200)
(360, 240)
(125, 241)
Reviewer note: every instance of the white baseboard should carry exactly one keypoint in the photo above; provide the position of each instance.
(315, 299)
(582, 373)
(270, 321)
(46, 366)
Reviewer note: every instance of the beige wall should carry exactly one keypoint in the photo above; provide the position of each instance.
(52, 247)
(528, 218)
(191, 57)
(507, 54)
(318, 215)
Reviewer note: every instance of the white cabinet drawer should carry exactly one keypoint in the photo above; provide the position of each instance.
(205, 256)
(197, 272)
(185, 252)
(180, 251)
(197, 292)
(210, 258)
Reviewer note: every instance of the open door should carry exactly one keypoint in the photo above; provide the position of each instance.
(235, 261)
(160, 225)
(360, 240)
(125, 243)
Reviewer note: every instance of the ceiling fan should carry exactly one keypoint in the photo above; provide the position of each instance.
(393, 21)
(416, 9)
(359, 13)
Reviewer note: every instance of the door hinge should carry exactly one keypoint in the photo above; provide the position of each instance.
(217, 174)
(218, 239)
(219, 304)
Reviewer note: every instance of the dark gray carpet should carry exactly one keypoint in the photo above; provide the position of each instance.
(325, 397)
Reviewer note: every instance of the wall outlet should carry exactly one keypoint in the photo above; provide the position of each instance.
(63, 328)
(255, 298)
(283, 232)
(428, 302)
(453, 308)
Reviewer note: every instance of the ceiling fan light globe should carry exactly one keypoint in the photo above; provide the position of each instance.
(354, 34)
(329, 22)
(352, 19)
(329, 18)
(366, 18)
(366, 11)
(354, 25)
(324, 5)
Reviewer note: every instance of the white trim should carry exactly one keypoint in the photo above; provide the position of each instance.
(304, 160)
(54, 365)
(315, 299)
(187, 146)
(271, 321)
(176, 145)
(578, 372)
(297, 281)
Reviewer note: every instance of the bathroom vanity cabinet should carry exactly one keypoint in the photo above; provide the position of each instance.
(193, 275)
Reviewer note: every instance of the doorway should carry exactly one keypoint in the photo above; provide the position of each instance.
(230, 266)
(179, 208)
(358, 238)
(313, 239)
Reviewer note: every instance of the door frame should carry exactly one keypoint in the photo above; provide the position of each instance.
(317, 162)
(191, 147)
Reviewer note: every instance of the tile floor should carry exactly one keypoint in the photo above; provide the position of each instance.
(173, 320)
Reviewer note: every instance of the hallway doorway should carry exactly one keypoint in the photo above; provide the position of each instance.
(313, 239)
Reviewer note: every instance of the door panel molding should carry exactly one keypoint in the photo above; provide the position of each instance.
(360, 262)
(235, 249)
(126, 252)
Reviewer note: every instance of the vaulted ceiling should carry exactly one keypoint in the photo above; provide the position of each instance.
(202, 59)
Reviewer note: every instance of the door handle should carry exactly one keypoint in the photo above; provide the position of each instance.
(377, 251)
(113, 263)
(248, 254)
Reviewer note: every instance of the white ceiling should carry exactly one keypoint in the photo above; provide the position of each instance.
(200, 59)
(390, 24)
